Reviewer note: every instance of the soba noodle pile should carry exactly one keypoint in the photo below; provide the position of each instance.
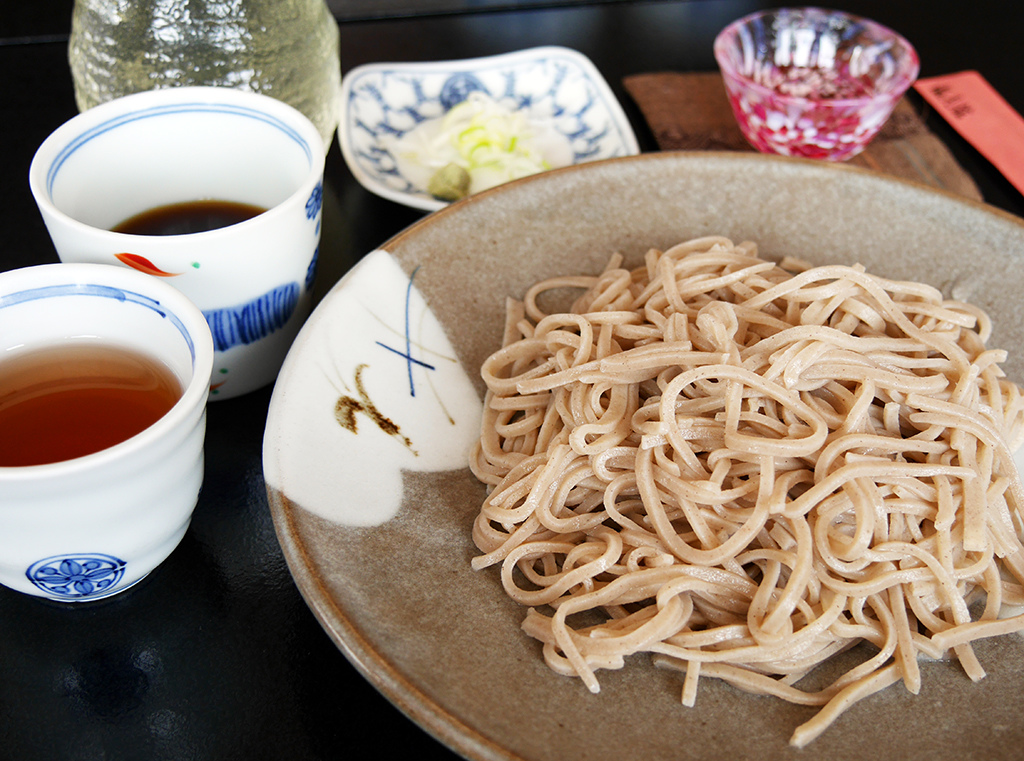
(744, 468)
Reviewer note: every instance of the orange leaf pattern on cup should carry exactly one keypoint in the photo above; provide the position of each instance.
(142, 264)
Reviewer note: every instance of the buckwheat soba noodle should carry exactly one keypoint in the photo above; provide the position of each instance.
(744, 468)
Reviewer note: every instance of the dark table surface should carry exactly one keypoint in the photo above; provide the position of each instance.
(215, 655)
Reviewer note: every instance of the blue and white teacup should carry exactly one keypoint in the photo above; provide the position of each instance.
(253, 279)
(89, 525)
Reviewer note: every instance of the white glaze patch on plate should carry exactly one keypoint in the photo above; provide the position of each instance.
(385, 394)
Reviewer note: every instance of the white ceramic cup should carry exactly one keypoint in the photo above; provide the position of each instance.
(253, 279)
(88, 527)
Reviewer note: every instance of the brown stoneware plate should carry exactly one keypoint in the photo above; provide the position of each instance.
(378, 404)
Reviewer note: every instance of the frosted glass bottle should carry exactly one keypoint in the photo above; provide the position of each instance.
(287, 49)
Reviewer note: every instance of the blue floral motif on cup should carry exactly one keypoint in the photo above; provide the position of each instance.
(315, 201)
(76, 577)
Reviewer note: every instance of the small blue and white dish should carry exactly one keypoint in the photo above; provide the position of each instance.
(383, 102)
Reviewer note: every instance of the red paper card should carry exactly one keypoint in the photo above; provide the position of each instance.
(982, 117)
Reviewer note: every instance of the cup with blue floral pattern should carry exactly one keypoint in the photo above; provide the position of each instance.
(84, 525)
(182, 146)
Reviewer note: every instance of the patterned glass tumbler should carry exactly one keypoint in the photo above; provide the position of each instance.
(813, 83)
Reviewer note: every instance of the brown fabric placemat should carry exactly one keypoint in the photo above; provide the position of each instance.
(690, 111)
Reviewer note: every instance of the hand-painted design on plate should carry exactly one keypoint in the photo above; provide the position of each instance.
(381, 357)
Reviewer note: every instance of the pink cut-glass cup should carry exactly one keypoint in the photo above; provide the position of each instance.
(811, 82)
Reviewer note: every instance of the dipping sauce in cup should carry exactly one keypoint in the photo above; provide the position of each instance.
(94, 496)
(188, 217)
(166, 153)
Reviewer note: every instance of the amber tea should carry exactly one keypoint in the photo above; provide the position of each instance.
(67, 401)
(188, 217)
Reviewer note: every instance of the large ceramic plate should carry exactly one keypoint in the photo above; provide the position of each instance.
(375, 517)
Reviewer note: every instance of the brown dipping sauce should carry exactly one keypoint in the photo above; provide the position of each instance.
(188, 217)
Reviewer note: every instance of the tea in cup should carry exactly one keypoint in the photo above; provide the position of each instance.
(213, 190)
(104, 378)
